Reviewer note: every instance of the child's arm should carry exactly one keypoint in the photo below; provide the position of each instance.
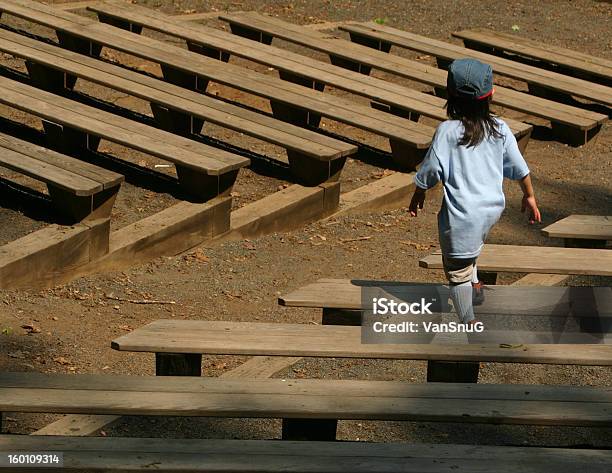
(529, 200)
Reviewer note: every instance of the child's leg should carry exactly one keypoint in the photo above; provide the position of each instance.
(459, 273)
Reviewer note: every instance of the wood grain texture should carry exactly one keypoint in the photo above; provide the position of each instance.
(536, 259)
(441, 49)
(306, 399)
(216, 456)
(591, 227)
(329, 44)
(245, 338)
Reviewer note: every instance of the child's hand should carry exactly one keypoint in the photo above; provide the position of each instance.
(529, 202)
(418, 198)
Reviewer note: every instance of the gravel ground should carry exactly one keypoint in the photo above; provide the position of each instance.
(241, 280)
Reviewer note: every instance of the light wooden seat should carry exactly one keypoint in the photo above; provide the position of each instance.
(536, 259)
(313, 157)
(195, 338)
(567, 61)
(291, 66)
(409, 141)
(308, 399)
(203, 171)
(582, 230)
(78, 190)
(571, 124)
(216, 456)
(447, 52)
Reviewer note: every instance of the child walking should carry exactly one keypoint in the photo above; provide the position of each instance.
(471, 154)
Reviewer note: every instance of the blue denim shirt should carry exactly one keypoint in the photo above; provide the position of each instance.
(472, 179)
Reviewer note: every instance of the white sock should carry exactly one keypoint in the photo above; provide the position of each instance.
(475, 274)
(461, 295)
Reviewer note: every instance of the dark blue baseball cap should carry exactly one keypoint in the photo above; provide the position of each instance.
(470, 78)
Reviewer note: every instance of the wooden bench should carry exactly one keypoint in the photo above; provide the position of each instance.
(203, 171)
(291, 66)
(541, 82)
(582, 231)
(78, 190)
(298, 105)
(566, 61)
(215, 456)
(570, 124)
(306, 399)
(534, 259)
(313, 157)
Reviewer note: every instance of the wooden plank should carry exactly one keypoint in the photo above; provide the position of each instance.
(215, 456)
(536, 259)
(546, 53)
(283, 60)
(533, 75)
(175, 98)
(282, 91)
(592, 227)
(244, 338)
(105, 178)
(308, 399)
(547, 109)
(120, 130)
(500, 300)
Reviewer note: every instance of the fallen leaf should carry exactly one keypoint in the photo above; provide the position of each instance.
(30, 328)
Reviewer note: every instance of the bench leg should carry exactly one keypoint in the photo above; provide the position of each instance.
(208, 51)
(49, 79)
(83, 207)
(295, 116)
(323, 430)
(178, 364)
(443, 63)
(349, 64)
(584, 243)
(550, 94)
(184, 79)
(487, 277)
(481, 47)
(119, 23)
(204, 187)
(176, 122)
(573, 136)
(523, 140)
(313, 118)
(77, 45)
(406, 155)
(341, 317)
(310, 171)
(69, 140)
(397, 111)
(452, 372)
(250, 33)
(370, 43)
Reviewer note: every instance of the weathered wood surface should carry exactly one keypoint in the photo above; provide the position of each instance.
(590, 227)
(357, 54)
(596, 68)
(306, 399)
(300, 69)
(449, 52)
(246, 338)
(536, 259)
(217, 456)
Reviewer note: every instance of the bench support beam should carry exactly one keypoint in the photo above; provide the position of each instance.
(49, 79)
(82, 208)
(79, 45)
(184, 79)
(340, 317)
(69, 140)
(208, 51)
(204, 187)
(584, 243)
(452, 372)
(295, 116)
(310, 171)
(397, 111)
(119, 23)
(250, 33)
(573, 136)
(364, 41)
(406, 155)
(178, 364)
(323, 430)
(176, 122)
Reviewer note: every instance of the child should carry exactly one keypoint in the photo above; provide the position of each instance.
(470, 153)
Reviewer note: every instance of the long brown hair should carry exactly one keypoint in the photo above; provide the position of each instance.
(478, 121)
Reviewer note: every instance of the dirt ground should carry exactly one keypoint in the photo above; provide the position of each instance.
(241, 280)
